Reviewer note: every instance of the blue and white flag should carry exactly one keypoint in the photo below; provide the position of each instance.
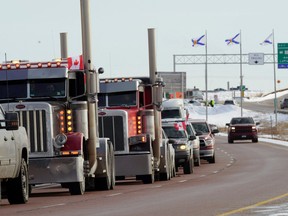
(268, 40)
(233, 40)
(199, 41)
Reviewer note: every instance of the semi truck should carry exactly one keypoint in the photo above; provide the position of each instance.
(126, 116)
(51, 101)
(58, 108)
(130, 115)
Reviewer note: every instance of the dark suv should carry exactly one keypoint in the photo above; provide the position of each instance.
(182, 143)
(242, 128)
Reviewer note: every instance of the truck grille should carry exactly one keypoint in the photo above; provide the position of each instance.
(202, 142)
(35, 123)
(112, 127)
(243, 129)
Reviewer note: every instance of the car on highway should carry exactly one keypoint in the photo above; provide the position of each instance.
(242, 128)
(14, 159)
(207, 138)
(284, 103)
(182, 144)
(230, 102)
(194, 102)
(196, 143)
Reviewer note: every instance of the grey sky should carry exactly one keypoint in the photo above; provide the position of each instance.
(31, 30)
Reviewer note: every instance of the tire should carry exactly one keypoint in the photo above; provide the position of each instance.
(255, 140)
(212, 159)
(188, 167)
(107, 182)
(198, 161)
(76, 188)
(230, 140)
(18, 188)
(148, 179)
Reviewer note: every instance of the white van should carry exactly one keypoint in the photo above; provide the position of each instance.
(174, 108)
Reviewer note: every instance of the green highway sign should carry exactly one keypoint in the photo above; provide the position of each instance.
(282, 55)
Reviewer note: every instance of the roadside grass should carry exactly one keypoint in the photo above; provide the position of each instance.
(280, 132)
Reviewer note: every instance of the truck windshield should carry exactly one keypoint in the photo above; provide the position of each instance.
(172, 132)
(23, 89)
(47, 88)
(13, 89)
(117, 99)
(170, 113)
(201, 127)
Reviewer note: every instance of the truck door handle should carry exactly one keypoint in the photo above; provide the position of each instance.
(5, 139)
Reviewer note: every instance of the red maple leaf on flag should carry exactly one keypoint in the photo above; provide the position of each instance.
(75, 63)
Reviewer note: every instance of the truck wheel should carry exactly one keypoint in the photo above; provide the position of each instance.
(212, 159)
(76, 188)
(188, 167)
(164, 176)
(255, 140)
(230, 140)
(112, 166)
(107, 182)
(18, 188)
(148, 179)
(198, 160)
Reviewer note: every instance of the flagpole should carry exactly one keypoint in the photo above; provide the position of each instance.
(275, 94)
(241, 76)
(206, 77)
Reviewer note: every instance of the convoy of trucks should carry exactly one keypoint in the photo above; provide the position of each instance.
(84, 133)
(58, 108)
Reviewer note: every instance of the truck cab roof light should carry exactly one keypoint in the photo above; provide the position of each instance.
(25, 65)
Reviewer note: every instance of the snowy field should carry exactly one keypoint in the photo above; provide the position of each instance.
(221, 114)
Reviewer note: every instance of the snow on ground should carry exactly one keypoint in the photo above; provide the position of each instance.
(221, 114)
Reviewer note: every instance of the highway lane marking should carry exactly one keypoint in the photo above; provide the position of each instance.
(182, 181)
(115, 194)
(157, 186)
(253, 206)
(50, 206)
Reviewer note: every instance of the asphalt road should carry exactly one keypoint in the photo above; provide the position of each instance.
(247, 179)
(266, 106)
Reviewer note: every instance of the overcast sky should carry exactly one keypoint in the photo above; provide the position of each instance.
(30, 29)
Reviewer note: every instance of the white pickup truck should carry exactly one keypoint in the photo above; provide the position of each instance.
(14, 155)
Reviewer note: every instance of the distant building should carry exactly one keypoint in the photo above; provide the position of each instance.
(175, 84)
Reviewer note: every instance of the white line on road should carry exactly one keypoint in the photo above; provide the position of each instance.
(182, 181)
(50, 206)
(116, 194)
(157, 186)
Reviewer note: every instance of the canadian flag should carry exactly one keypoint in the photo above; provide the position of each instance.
(180, 126)
(75, 63)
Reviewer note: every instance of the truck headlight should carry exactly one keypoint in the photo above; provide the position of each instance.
(208, 141)
(182, 147)
(60, 140)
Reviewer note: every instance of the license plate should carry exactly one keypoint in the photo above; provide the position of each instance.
(243, 136)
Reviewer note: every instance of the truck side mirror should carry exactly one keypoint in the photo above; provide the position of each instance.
(192, 137)
(12, 121)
